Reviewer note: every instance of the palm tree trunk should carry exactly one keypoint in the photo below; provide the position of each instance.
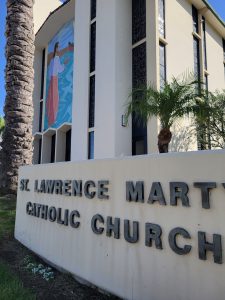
(17, 136)
(164, 139)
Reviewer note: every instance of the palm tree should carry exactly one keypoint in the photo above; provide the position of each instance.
(173, 101)
(17, 135)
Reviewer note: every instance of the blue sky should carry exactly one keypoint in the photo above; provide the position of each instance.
(218, 5)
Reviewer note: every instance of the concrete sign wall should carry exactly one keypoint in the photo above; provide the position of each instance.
(149, 227)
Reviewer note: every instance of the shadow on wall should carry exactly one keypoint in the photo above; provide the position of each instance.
(184, 138)
(185, 5)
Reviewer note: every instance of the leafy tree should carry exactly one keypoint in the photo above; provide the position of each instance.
(2, 125)
(19, 76)
(212, 118)
(173, 101)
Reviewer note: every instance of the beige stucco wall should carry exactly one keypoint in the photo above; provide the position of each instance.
(180, 61)
(179, 51)
(42, 9)
(215, 58)
(132, 271)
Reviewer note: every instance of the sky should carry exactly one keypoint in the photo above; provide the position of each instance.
(218, 5)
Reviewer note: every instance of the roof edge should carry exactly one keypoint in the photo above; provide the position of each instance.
(214, 12)
(51, 13)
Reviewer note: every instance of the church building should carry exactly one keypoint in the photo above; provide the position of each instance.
(91, 53)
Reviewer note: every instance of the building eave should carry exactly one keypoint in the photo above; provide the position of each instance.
(54, 22)
(214, 12)
(52, 13)
(211, 16)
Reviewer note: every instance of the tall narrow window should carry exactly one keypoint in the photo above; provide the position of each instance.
(92, 47)
(92, 102)
(138, 20)
(139, 71)
(162, 18)
(162, 61)
(42, 74)
(224, 55)
(42, 90)
(224, 50)
(68, 146)
(93, 9)
(53, 149)
(197, 70)
(201, 130)
(39, 151)
(204, 42)
(40, 116)
(91, 145)
(206, 82)
(91, 117)
(195, 19)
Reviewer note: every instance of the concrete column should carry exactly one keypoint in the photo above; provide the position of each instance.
(79, 145)
(113, 77)
(123, 135)
(152, 37)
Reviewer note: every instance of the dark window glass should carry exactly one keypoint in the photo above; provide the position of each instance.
(68, 146)
(139, 72)
(39, 151)
(197, 60)
(91, 145)
(162, 18)
(42, 74)
(138, 20)
(140, 146)
(224, 49)
(93, 47)
(206, 83)
(40, 116)
(92, 102)
(53, 149)
(93, 9)
(162, 62)
(204, 42)
(195, 19)
(139, 77)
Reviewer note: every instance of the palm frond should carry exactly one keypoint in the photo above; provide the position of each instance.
(173, 101)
